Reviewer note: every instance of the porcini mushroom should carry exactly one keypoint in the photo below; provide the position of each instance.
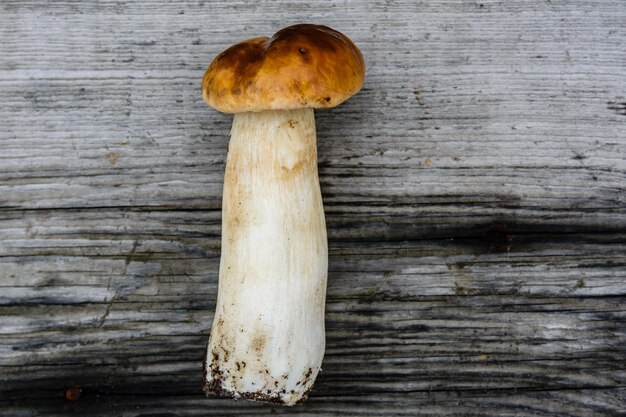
(267, 339)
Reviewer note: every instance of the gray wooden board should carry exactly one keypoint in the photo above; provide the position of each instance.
(474, 192)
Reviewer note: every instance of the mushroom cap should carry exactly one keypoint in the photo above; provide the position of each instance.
(300, 66)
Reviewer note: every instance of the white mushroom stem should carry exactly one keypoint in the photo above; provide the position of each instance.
(267, 341)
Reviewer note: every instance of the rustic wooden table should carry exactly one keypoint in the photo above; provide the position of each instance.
(474, 193)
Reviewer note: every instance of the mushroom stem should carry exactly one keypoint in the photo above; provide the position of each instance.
(267, 340)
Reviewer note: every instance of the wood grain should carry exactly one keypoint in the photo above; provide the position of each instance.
(474, 194)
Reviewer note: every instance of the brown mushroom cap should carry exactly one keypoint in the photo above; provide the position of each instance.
(300, 66)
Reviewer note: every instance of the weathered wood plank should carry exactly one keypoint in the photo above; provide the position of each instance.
(474, 193)
(443, 316)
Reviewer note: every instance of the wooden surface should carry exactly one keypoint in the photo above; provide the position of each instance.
(474, 194)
